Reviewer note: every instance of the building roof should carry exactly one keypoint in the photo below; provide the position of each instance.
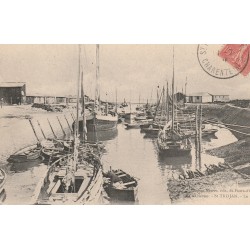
(11, 84)
(220, 95)
(200, 94)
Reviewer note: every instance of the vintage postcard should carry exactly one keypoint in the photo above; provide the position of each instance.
(124, 124)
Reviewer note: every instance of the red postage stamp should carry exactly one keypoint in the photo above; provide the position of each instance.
(237, 55)
(224, 61)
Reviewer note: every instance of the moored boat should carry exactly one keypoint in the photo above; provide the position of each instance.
(28, 153)
(172, 141)
(62, 185)
(120, 186)
(74, 178)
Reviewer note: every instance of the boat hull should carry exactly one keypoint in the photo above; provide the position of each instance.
(126, 190)
(174, 151)
(89, 196)
(26, 154)
(99, 124)
(122, 195)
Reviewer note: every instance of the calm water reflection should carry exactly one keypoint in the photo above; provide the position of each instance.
(138, 155)
(126, 149)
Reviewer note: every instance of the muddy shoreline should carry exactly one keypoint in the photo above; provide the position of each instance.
(236, 154)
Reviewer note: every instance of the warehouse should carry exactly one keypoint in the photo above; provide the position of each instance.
(13, 92)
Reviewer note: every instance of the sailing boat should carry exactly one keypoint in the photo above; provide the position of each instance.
(171, 140)
(100, 120)
(75, 178)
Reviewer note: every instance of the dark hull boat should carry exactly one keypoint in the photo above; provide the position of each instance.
(174, 150)
(26, 154)
(132, 125)
(151, 132)
(172, 143)
(100, 123)
(209, 132)
(120, 186)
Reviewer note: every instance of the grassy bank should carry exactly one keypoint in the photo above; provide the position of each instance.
(207, 189)
(228, 114)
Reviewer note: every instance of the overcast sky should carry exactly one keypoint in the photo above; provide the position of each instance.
(135, 69)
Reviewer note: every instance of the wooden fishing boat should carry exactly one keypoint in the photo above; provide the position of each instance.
(132, 125)
(120, 186)
(2, 182)
(209, 132)
(75, 178)
(171, 140)
(52, 154)
(26, 154)
(141, 118)
(151, 132)
(99, 121)
(62, 185)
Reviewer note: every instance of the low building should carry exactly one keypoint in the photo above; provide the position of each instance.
(200, 97)
(221, 98)
(35, 99)
(13, 92)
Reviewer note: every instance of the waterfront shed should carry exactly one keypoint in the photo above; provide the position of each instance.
(200, 97)
(13, 92)
(221, 98)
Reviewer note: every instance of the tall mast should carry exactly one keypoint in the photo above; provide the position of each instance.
(97, 96)
(77, 112)
(173, 94)
(167, 103)
(186, 89)
(83, 109)
(116, 100)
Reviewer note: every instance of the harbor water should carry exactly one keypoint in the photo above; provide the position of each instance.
(125, 149)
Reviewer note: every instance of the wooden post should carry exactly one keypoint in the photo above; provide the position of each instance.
(41, 130)
(52, 129)
(196, 137)
(68, 124)
(34, 130)
(200, 135)
(61, 126)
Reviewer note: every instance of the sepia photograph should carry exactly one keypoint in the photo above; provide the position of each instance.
(147, 124)
(138, 110)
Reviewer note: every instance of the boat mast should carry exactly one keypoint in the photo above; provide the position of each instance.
(97, 95)
(83, 108)
(167, 103)
(116, 100)
(173, 94)
(77, 112)
(185, 90)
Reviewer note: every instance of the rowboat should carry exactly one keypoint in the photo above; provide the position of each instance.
(132, 125)
(26, 154)
(120, 186)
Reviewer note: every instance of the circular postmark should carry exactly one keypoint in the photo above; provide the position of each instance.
(223, 61)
